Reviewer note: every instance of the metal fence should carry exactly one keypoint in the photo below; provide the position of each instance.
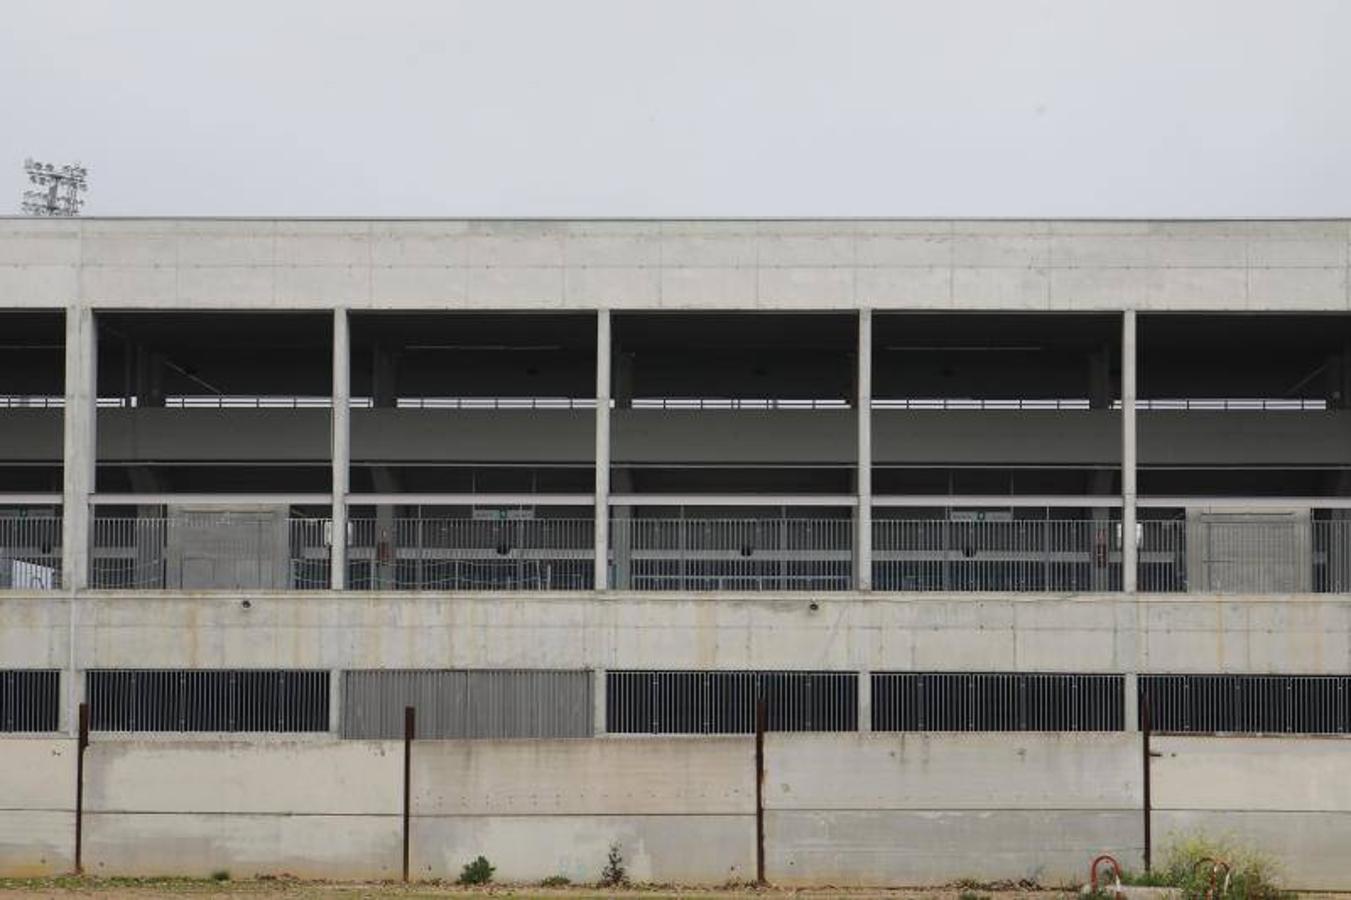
(203, 550)
(1005, 555)
(30, 700)
(720, 702)
(1248, 704)
(1254, 553)
(30, 552)
(478, 703)
(471, 554)
(708, 554)
(186, 700)
(947, 701)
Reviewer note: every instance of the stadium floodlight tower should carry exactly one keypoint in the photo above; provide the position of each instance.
(57, 191)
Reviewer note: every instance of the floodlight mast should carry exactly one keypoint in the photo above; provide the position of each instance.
(56, 190)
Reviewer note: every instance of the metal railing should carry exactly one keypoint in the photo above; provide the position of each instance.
(30, 552)
(185, 700)
(1245, 554)
(970, 701)
(707, 554)
(30, 700)
(467, 554)
(1005, 555)
(220, 550)
(724, 702)
(1248, 704)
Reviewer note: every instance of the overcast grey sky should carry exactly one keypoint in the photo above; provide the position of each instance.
(685, 107)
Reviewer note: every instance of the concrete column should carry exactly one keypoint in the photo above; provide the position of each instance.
(342, 450)
(602, 447)
(1129, 557)
(80, 445)
(863, 515)
(335, 701)
(865, 701)
(598, 698)
(1132, 698)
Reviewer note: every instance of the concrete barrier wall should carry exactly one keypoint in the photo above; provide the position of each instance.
(37, 807)
(311, 809)
(681, 809)
(839, 808)
(1289, 797)
(932, 808)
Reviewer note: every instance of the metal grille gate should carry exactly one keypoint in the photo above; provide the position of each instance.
(1248, 704)
(30, 700)
(230, 700)
(712, 702)
(946, 701)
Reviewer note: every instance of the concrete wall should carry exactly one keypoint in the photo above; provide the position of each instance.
(37, 807)
(861, 809)
(310, 809)
(931, 808)
(682, 810)
(1074, 265)
(1290, 797)
(1300, 634)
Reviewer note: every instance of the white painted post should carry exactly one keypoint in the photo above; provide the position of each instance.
(1129, 555)
(80, 432)
(342, 450)
(863, 515)
(602, 449)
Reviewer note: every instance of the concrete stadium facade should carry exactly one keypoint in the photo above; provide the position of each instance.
(1026, 454)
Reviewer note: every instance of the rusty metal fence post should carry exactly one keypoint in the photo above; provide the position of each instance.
(82, 741)
(760, 789)
(1149, 800)
(408, 729)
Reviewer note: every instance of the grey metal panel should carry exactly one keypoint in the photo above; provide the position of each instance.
(468, 703)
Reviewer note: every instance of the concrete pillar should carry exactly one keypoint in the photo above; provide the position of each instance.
(335, 701)
(598, 698)
(863, 514)
(865, 701)
(1132, 689)
(342, 450)
(602, 447)
(80, 445)
(1129, 556)
(384, 395)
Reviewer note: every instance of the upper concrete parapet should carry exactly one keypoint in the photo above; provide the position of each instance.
(724, 264)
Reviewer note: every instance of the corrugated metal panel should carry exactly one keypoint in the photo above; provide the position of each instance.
(713, 702)
(468, 703)
(257, 700)
(30, 700)
(968, 701)
(1248, 704)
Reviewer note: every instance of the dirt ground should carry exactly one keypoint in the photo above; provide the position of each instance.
(285, 889)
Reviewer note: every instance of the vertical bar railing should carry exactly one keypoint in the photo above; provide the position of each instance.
(30, 552)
